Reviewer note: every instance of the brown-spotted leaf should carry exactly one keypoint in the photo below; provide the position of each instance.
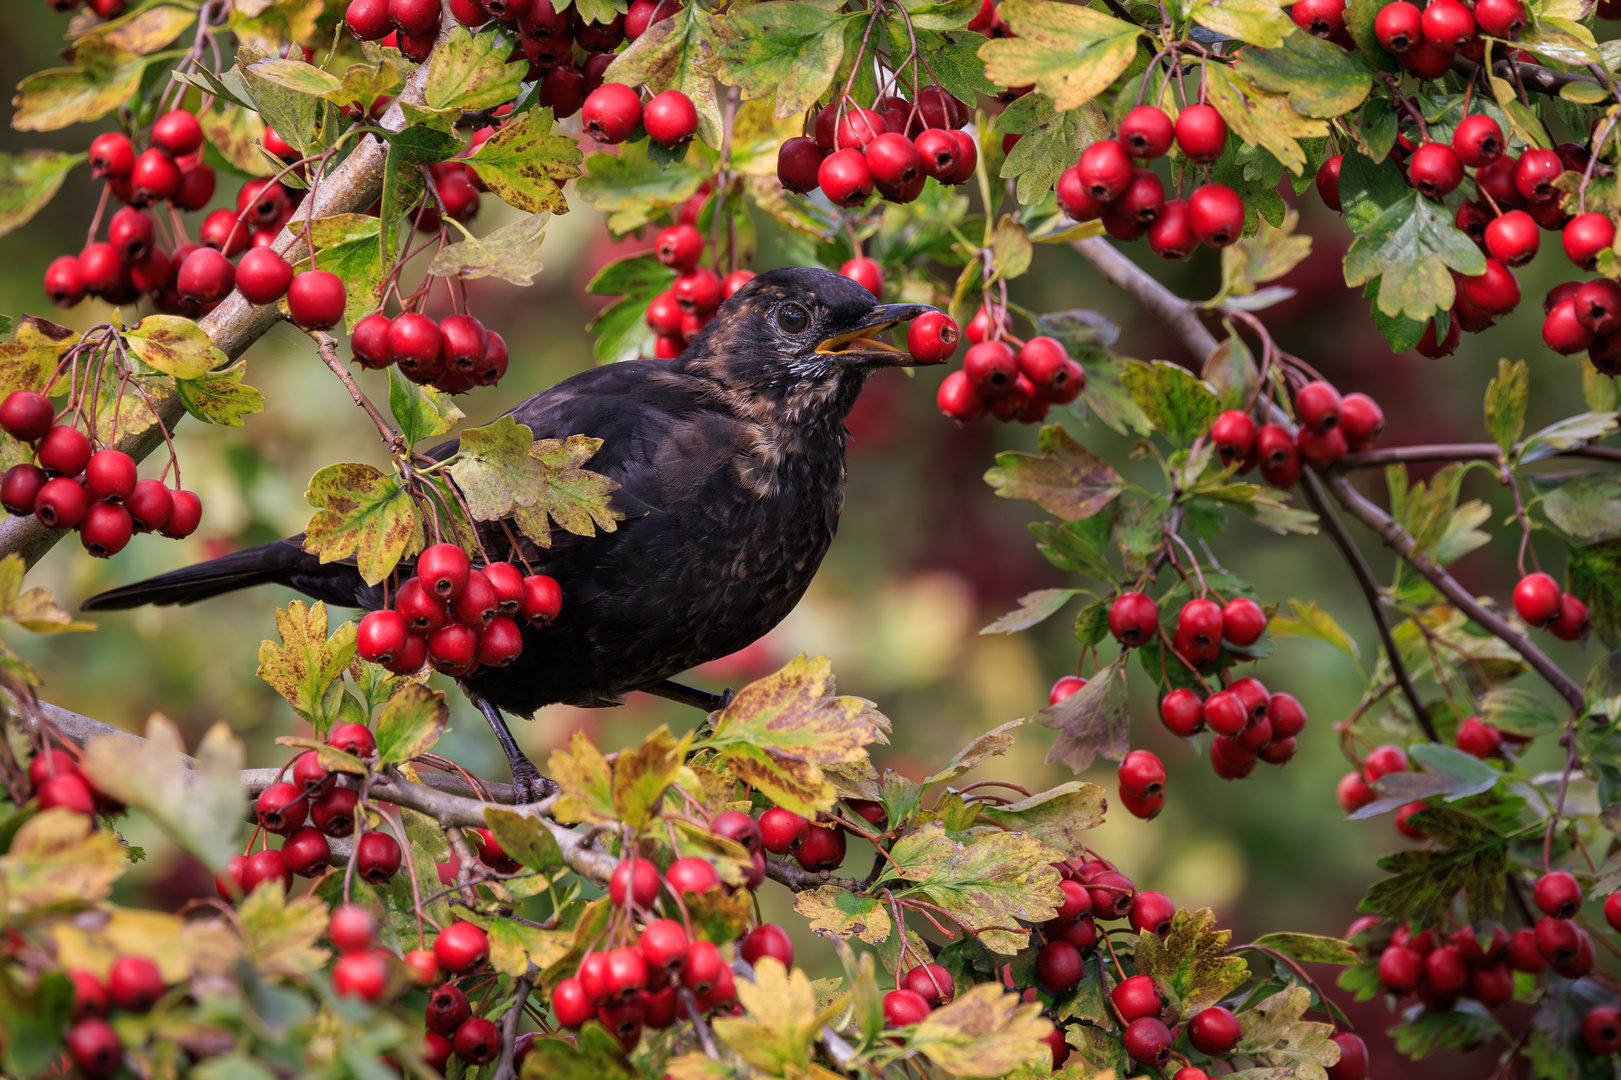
(526, 166)
(362, 512)
(1188, 964)
(102, 78)
(219, 397)
(585, 780)
(174, 346)
(29, 180)
(718, 915)
(59, 857)
(991, 744)
(307, 662)
(641, 775)
(27, 361)
(988, 885)
(678, 53)
(1096, 719)
(514, 946)
(1275, 1033)
(843, 914)
(1066, 479)
(780, 732)
(984, 1032)
(411, 723)
(1058, 817)
(279, 934)
(523, 838)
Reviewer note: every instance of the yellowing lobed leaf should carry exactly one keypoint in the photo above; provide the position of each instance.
(640, 776)
(514, 947)
(1066, 479)
(1189, 963)
(146, 31)
(503, 471)
(1175, 401)
(103, 77)
(29, 180)
(411, 723)
(1275, 1033)
(1071, 53)
(279, 934)
(362, 512)
(198, 807)
(526, 165)
(1057, 817)
(780, 732)
(782, 1024)
(1506, 397)
(523, 838)
(32, 609)
(304, 667)
(678, 53)
(585, 780)
(1259, 22)
(1321, 79)
(58, 857)
(218, 397)
(592, 1055)
(511, 253)
(179, 947)
(1096, 719)
(786, 52)
(174, 346)
(842, 914)
(988, 884)
(984, 1032)
(27, 361)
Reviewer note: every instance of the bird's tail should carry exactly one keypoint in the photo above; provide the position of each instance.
(281, 562)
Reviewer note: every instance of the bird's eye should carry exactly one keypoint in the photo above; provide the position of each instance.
(792, 319)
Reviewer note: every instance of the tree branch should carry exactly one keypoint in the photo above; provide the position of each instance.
(1121, 272)
(1370, 459)
(789, 873)
(509, 1026)
(1400, 541)
(1370, 589)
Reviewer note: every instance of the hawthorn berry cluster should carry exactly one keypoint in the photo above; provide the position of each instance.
(454, 354)
(1439, 968)
(1541, 602)
(677, 314)
(994, 379)
(71, 485)
(1107, 185)
(455, 617)
(315, 806)
(132, 986)
(893, 147)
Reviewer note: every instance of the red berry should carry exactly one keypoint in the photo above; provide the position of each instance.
(1400, 969)
(1201, 133)
(185, 514)
(769, 939)
(932, 337)
(334, 812)
(1479, 738)
(110, 475)
(26, 415)
(1598, 306)
(664, 945)
(306, 852)
(154, 178)
(1065, 687)
(1215, 1031)
(1105, 170)
(1147, 131)
(1562, 331)
(315, 299)
(1133, 619)
(1500, 18)
(1148, 1041)
(1320, 18)
(381, 636)
(866, 273)
(1447, 25)
(542, 599)
(443, 568)
(1074, 199)
(1318, 405)
(1142, 774)
(206, 276)
(132, 234)
(859, 127)
(1495, 291)
(368, 337)
(1536, 170)
(572, 1006)
(1151, 913)
(1478, 140)
(111, 156)
(95, 1047)
(799, 161)
(822, 849)
(353, 738)
(679, 247)
(60, 503)
(262, 277)
(670, 118)
(1557, 894)
(959, 399)
(1215, 213)
(611, 112)
(1353, 1062)
(1583, 238)
(844, 178)
(691, 875)
(938, 154)
(1435, 170)
(782, 831)
(903, 1008)
(1058, 967)
(1536, 598)
(68, 791)
(1601, 1030)
(1182, 712)
(1171, 236)
(1135, 997)
(697, 292)
(461, 947)
(638, 879)
(105, 529)
(177, 133)
(991, 367)
(150, 505)
(1572, 623)
(19, 489)
(222, 232)
(477, 1041)
(414, 16)
(1398, 26)
(64, 281)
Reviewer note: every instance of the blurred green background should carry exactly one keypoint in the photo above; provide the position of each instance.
(925, 557)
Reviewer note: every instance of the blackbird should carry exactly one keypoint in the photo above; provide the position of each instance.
(730, 461)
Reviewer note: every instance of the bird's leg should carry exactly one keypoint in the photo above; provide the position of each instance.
(527, 783)
(690, 695)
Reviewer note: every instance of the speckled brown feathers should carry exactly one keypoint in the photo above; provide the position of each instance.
(731, 465)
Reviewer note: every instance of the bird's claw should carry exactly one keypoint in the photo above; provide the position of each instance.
(528, 786)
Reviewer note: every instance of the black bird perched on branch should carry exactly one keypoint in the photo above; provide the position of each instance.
(730, 461)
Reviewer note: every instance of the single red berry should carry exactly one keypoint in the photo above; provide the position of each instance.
(679, 247)
(1285, 715)
(222, 232)
(670, 118)
(1598, 306)
(26, 415)
(1151, 913)
(1583, 238)
(1058, 967)
(177, 133)
(572, 1006)
(377, 857)
(1136, 996)
(691, 875)
(111, 156)
(542, 599)
(1353, 1062)
(1215, 214)
(704, 967)
(1065, 687)
(903, 1008)
(334, 811)
(1320, 18)
(959, 399)
(134, 984)
(1434, 170)
(932, 337)
(262, 277)
(1557, 894)
(414, 16)
(1361, 419)
(206, 276)
(1478, 140)
(866, 273)
(353, 738)
(1500, 18)
(822, 849)
(110, 475)
(636, 878)
(185, 514)
(1148, 1041)
(1398, 26)
(1182, 712)
(1536, 598)
(1400, 969)
(1328, 182)
(315, 299)
(1494, 291)
(281, 808)
(60, 503)
(132, 234)
(1562, 331)
(799, 160)
(306, 851)
(95, 1047)
(611, 113)
(1147, 131)
(769, 939)
(1105, 170)
(1215, 1031)
(1536, 170)
(150, 505)
(1201, 133)
(782, 831)
(68, 791)
(697, 292)
(1447, 24)
(1318, 405)
(738, 826)
(1142, 774)
(1479, 738)
(64, 281)
(19, 489)
(477, 1041)
(154, 178)
(1133, 619)
(1573, 621)
(844, 178)
(105, 529)
(381, 636)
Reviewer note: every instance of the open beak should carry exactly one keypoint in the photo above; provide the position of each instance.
(861, 345)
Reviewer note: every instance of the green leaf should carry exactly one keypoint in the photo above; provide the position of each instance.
(678, 53)
(836, 911)
(470, 71)
(1368, 189)
(1471, 859)
(348, 245)
(1311, 948)
(1588, 508)
(988, 886)
(1461, 1028)
(1261, 119)
(511, 253)
(1275, 1034)
(297, 76)
(1179, 405)
(1033, 608)
(986, 746)
(592, 1054)
(1321, 79)
(103, 77)
(1505, 403)
(524, 838)
(1096, 719)
(1270, 254)
(503, 471)
(1518, 712)
(621, 327)
(1359, 19)
(174, 346)
(1259, 22)
(1065, 479)
(940, 14)
(789, 51)
(984, 1032)
(631, 189)
(1569, 432)
(219, 397)
(641, 775)
(779, 733)
(1190, 963)
(362, 512)
(310, 124)
(1072, 54)
(1464, 774)
(1594, 575)
(1410, 246)
(1601, 392)
(1051, 142)
(411, 723)
(198, 807)
(307, 662)
(29, 180)
(421, 411)
(1057, 817)
(1310, 620)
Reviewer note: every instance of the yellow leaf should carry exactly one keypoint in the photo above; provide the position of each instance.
(641, 775)
(1071, 53)
(59, 857)
(174, 346)
(34, 609)
(1262, 119)
(586, 782)
(179, 947)
(985, 1032)
(280, 934)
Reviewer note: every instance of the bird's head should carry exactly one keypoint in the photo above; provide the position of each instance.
(799, 330)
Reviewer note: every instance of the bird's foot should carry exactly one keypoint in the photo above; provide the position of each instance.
(528, 786)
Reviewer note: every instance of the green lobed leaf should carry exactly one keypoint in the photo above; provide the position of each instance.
(364, 513)
(1311, 948)
(1190, 962)
(410, 724)
(989, 885)
(29, 180)
(631, 188)
(678, 53)
(1096, 719)
(1065, 479)
(1050, 142)
(1505, 403)
(1423, 884)
(1176, 401)
(348, 245)
(517, 947)
(981, 749)
(103, 77)
(1588, 508)
(1057, 817)
(502, 471)
(219, 397)
(297, 76)
(1310, 620)
(1518, 712)
(1321, 79)
(470, 71)
(1594, 574)
(1410, 247)
(592, 1054)
(1259, 118)
(1072, 54)
(421, 411)
(1461, 1028)
(621, 327)
(308, 123)
(524, 838)
(784, 51)
(1258, 22)
(511, 253)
